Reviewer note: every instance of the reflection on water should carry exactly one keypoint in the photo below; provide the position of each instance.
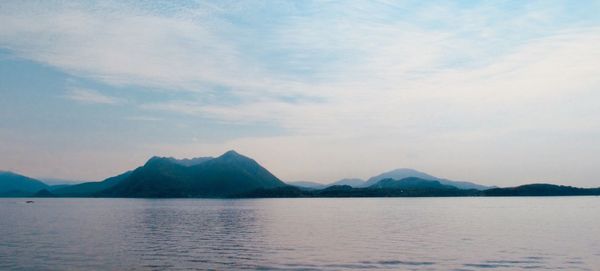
(301, 234)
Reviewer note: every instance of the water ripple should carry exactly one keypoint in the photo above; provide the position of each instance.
(301, 234)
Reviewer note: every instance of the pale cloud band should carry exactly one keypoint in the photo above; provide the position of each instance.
(90, 96)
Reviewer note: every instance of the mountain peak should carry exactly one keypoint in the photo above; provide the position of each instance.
(354, 182)
(398, 174)
(188, 162)
(157, 159)
(229, 155)
(232, 155)
(401, 173)
(410, 183)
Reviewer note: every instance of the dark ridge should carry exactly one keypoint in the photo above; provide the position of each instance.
(542, 189)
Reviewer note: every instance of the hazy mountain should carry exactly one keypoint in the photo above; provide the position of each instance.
(541, 189)
(12, 184)
(58, 181)
(411, 187)
(44, 193)
(58, 186)
(402, 173)
(87, 189)
(226, 175)
(307, 185)
(410, 183)
(353, 182)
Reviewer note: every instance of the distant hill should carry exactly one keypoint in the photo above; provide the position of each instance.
(541, 189)
(402, 173)
(44, 193)
(411, 187)
(410, 183)
(12, 184)
(58, 186)
(87, 189)
(226, 175)
(307, 185)
(353, 182)
(58, 181)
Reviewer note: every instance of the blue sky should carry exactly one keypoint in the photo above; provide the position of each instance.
(497, 92)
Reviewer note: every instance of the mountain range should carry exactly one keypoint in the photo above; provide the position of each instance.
(397, 174)
(235, 175)
(402, 173)
(410, 183)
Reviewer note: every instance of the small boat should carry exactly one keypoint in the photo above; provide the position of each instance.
(30, 201)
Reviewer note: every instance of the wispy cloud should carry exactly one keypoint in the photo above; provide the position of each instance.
(90, 96)
(144, 118)
(431, 78)
(365, 70)
(129, 46)
(384, 93)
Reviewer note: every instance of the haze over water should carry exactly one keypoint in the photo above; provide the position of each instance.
(554, 233)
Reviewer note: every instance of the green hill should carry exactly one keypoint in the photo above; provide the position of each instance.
(227, 175)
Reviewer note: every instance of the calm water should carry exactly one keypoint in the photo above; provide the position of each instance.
(301, 234)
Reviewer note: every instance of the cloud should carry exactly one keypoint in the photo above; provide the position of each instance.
(129, 46)
(144, 118)
(513, 92)
(437, 85)
(89, 96)
(351, 62)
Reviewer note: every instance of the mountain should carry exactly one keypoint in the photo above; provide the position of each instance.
(44, 193)
(409, 183)
(402, 173)
(542, 189)
(57, 181)
(87, 189)
(58, 186)
(410, 187)
(227, 175)
(12, 184)
(235, 175)
(307, 185)
(354, 182)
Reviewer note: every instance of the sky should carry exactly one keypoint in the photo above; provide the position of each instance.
(494, 92)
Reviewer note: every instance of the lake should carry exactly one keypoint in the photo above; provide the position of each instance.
(520, 233)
